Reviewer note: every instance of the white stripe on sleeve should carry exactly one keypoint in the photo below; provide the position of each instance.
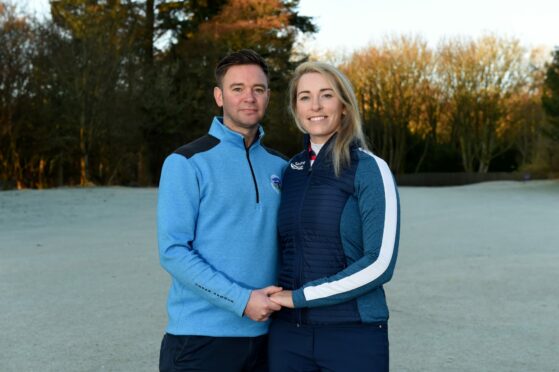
(377, 268)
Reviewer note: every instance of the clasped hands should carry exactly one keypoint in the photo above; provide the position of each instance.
(263, 302)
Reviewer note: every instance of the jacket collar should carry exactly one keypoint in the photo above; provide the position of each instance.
(221, 132)
(327, 148)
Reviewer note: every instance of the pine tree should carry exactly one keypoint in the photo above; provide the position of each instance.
(550, 98)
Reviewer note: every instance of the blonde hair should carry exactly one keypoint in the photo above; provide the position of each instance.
(350, 128)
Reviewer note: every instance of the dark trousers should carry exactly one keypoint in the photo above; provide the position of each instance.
(213, 354)
(336, 348)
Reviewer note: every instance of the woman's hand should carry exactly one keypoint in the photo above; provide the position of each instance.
(283, 298)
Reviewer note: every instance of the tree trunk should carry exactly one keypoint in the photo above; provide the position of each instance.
(84, 161)
(144, 174)
(60, 171)
(423, 155)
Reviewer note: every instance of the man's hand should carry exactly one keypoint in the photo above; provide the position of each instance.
(283, 298)
(259, 306)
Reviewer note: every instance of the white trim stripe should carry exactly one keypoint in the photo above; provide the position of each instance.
(377, 268)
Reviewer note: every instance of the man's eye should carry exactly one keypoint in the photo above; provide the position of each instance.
(259, 91)
(237, 89)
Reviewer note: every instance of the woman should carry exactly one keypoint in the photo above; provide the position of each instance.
(338, 226)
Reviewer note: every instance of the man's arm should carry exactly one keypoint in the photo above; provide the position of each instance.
(177, 213)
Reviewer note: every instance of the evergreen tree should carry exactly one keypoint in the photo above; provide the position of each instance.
(185, 103)
(550, 98)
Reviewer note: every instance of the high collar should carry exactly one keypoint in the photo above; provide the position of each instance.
(327, 148)
(327, 145)
(221, 132)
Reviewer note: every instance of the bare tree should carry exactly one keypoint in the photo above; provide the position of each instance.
(387, 82)
(481, 76)
(16, 53)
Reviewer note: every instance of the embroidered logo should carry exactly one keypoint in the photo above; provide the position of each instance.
(298, 165)
(276, 183)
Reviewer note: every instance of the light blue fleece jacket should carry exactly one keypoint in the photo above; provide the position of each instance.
(216, 214)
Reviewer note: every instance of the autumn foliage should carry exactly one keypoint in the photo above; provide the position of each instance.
(102, 91)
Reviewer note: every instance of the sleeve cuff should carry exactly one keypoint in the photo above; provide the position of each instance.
(299, 298)
(243, 301)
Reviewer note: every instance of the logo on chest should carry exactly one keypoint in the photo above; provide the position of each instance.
(297, 165)
(275, 181)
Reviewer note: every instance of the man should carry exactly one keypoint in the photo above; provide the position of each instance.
(217, 206)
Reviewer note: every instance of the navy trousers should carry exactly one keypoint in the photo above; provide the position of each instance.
(335, 348)
(213, 354)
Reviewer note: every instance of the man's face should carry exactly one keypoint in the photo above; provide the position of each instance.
(244, 97)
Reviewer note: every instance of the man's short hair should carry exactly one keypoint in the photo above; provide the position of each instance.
(241, 57)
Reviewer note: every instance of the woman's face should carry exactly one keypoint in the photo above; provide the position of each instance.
(318, 108)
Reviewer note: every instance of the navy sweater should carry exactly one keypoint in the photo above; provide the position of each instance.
(338, 238)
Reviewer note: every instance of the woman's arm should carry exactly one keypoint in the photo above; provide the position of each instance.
(378, 203)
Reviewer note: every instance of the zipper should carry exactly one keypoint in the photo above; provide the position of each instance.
(299, 269)
(300, 316)
(253, 176)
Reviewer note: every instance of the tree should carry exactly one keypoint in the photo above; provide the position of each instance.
(481, 76)
(107, 88)
(16, 52)
(270, 28)
(387, 82)
(92, 59)
(526, 112)
(550, 97)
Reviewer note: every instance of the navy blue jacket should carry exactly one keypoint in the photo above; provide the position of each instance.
(338, 238)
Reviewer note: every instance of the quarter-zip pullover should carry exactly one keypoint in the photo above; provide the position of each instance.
(217, 211)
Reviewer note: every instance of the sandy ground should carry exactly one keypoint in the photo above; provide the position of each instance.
(475, 289)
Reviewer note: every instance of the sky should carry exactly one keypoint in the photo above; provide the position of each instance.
(346, 25)
(352, 24)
